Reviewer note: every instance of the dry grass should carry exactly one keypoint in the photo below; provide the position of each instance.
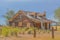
(41, 36)
(45, 36)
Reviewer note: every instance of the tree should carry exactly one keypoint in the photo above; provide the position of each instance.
(57, 14)
(9, 14)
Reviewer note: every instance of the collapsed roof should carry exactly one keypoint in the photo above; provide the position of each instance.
(38, 18)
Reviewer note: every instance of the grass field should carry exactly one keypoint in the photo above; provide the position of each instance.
(42, 35)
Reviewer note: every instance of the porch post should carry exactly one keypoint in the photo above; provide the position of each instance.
(42, 27)
(56, 26)
(47, 25)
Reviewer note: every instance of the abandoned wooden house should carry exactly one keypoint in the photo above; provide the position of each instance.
(30, 19)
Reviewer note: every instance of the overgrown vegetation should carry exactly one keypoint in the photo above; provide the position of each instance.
(6, 31)
(9, 14)
(14, 31)
(57, 14)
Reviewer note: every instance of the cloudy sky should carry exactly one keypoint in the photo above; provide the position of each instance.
(29, 5)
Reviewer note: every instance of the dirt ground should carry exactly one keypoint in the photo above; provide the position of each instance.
(41, 36)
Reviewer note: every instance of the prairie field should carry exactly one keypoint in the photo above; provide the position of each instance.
(25, 35)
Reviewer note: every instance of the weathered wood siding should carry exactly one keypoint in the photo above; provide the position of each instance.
(20, 24)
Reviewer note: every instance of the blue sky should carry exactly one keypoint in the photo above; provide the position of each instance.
(29, 5)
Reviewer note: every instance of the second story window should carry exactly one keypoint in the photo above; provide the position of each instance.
(33, 16)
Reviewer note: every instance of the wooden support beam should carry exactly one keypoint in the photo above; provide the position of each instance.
(56, 26)
(42, 27)
(47, 25)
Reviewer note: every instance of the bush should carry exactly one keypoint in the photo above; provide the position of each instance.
(6, 31)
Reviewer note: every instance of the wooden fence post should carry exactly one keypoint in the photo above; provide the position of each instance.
(34, 33)
(52, 32)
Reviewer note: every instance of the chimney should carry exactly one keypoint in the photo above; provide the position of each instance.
(44, 13)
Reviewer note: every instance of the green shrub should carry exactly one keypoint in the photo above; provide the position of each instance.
(6, 31)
